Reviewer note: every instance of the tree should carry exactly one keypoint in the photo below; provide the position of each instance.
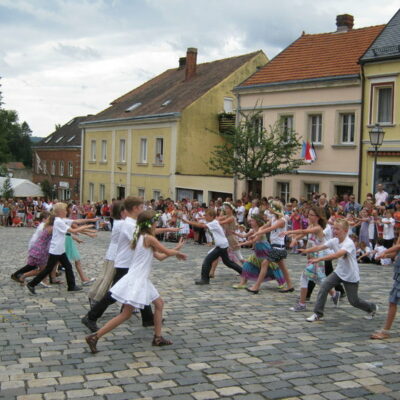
(47, 189)
(7, 190)
(252, 152)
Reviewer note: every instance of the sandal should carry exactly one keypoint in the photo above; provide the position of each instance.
(160, 341)
(92, 340)
(380, 335)
(239, 286)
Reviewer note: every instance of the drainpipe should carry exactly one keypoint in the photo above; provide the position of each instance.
(82, 162)
(235, 178)
(360, 157)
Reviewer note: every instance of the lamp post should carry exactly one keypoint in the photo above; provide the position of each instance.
(376, 135)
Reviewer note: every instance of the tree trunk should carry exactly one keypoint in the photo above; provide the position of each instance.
(254, 189)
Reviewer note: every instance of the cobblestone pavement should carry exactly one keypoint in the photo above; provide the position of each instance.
(227, 343)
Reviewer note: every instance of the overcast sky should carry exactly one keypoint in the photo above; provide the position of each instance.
(64, 58)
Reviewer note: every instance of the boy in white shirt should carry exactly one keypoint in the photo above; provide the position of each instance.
(388, 223)
(346, 272)
(220, 250)
(57, 249)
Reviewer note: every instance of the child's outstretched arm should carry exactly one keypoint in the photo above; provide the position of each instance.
(313, 249)
(333, 256)
(193, 223)
(159, 248)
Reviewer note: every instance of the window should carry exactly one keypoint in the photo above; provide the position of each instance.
(159, 151)
(143, 150)
(347, 128)
(61, 168)
(311, 188)
(44, 167)
(91, 191)
(59, 139)
(122, 150)
(133, 107)
(156, 194)
(315, 122)
(228, 104)
(102, 192)
(287, 126)
(284, 191)
(53, 167)
(70, 169)
(104, 150)
(141, 193)
(71, 139)
(93, 150)
(385, 104)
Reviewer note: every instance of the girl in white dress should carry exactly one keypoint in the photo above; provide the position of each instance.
(135, 290)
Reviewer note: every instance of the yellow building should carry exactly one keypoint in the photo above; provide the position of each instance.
(381, 105)
(156, 139)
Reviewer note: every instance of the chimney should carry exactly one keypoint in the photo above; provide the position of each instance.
(344, 23)
(191, 63)
(182, 62)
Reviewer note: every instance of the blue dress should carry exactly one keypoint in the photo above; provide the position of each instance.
(394, 296)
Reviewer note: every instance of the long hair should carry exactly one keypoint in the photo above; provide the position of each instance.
(319, 212)
(144, 225)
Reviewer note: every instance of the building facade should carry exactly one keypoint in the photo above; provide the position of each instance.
(381, 72)
(57, 160)
(156, 140)
(313, 88)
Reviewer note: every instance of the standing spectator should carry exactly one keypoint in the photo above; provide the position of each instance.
(380, 196)
(352, 206)
(240, 212)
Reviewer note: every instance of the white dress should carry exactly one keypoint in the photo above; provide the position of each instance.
(135, 288)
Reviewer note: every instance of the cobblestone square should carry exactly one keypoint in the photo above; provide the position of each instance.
(227, 343)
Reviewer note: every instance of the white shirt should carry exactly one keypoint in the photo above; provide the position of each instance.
(380, 197)
(388, 229)
(379, 250)
(253, 210)
(240, 211)
(36, 234)
(275, 237)
(113, 246)
(60, 228)
(347, 266)
(124, 256)
(220, 239)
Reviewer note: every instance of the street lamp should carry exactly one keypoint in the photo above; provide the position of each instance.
(376, 135)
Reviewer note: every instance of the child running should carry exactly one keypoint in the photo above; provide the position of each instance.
(346, 272)
(220, 249)
(394, 295)
(135, 290)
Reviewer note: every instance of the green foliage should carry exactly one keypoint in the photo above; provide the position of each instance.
(252, 152)
(7, 191)
(47, 189)
(15, 143)
(3, 170)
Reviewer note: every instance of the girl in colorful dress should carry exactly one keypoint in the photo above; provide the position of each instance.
(275, 227)
(394, 295)
(102, 286)
(313, 272)
(135, 290)
(258, 267)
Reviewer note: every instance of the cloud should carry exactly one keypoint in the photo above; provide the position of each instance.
(77, 52)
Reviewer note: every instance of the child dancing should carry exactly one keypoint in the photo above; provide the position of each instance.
(394, 295)
(135, 290)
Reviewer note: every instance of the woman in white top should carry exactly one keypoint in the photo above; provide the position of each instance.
(103, 285)
(276, 227)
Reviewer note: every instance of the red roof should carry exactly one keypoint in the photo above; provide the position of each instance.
(317, 56)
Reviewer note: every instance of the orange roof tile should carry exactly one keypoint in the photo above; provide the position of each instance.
(317, 56)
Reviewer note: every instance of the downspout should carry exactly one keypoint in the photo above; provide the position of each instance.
(360, 158)
(235, 179)
(82, 163)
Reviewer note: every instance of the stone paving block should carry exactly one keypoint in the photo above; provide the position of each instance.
(207, 395)
(30, 397)
(75, 394)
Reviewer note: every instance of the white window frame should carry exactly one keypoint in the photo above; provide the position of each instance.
(309, 190)
(91, 191)
(53, 168)
(347, 128)
(159, 152)
(287, 122)
(377, 85)
(70, 168)
(379, 90)
(228, 104)
(141, 192)
(143, 151)
(104, 150)
(315, 128)
(284, 194)
(102, 192)
(156, 194)
(122, 150)
(61, 168)
(93, 150)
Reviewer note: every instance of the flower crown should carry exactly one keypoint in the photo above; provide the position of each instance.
(148, 223)
(227, 204)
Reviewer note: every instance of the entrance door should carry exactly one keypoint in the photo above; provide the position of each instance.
(120, 192)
